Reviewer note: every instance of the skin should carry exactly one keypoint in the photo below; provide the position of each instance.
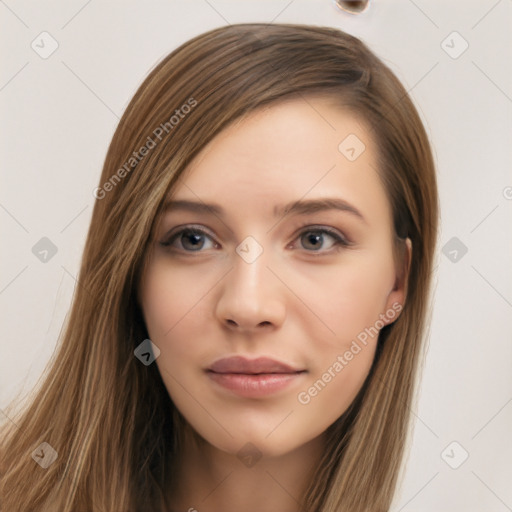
(303, 301)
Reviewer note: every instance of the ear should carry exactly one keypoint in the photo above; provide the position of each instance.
(398, 294)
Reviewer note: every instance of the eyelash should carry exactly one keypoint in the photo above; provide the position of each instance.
(339, 240)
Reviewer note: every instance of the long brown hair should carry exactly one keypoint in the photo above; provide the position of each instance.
(109, 417)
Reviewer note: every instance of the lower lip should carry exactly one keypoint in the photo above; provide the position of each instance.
(253, 386)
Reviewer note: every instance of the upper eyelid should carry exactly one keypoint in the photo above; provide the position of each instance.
(188, 227)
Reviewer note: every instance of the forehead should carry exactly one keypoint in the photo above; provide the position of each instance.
(291, 150)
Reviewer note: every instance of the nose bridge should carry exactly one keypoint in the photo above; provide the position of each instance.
(250, 294)
(249, 276)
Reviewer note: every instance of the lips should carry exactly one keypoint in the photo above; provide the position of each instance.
(261, 365)
(254, 378)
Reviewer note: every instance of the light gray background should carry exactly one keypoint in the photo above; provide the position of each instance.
(59, 114)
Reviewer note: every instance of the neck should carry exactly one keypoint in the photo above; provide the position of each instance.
(209, 480)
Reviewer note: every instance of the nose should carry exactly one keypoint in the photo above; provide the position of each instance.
(251, 297)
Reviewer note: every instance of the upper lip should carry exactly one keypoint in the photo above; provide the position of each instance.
(239, 364)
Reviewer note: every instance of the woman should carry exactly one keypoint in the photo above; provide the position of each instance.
(253, 292)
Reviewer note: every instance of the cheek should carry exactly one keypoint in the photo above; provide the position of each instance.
(340, 362)
(352, 298)
(348, 299)
(167, 298)
(174, 314)
(163, 299)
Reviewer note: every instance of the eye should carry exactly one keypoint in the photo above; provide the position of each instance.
(321, 239)
(314, 239)
(190, 239)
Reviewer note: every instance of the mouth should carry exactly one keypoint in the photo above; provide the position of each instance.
(252, 378)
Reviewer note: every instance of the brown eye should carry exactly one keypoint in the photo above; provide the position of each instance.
(318, 239)
(189, 240)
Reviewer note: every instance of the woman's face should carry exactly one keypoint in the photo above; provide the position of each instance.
(277, 244)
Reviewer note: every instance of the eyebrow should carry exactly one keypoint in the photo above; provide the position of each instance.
(300, 207)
